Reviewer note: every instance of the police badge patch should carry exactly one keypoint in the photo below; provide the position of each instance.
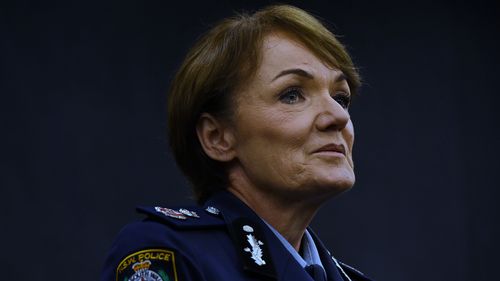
(148, 265)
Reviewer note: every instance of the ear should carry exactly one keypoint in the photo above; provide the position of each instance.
(216, 138)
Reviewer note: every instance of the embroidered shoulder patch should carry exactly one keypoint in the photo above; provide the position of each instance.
(149, 265)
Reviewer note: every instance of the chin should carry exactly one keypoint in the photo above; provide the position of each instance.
(337, 182)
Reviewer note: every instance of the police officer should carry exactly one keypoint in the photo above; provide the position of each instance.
(259, 123)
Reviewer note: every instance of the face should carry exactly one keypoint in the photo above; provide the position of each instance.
(292, 130)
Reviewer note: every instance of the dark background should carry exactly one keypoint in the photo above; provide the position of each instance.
(83, 93)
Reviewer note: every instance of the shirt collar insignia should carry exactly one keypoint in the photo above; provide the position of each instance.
(256, 251)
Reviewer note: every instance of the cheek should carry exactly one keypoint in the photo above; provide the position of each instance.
(272, 140)
(348, 134)
(273, 130)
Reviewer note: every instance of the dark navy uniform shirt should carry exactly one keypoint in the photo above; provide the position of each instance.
(221, 241)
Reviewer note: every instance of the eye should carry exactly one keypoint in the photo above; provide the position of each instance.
(343, 99)
(291, 96)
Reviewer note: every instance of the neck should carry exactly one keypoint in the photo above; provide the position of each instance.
(288, 216)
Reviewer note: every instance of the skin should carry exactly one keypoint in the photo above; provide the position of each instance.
(292, 107)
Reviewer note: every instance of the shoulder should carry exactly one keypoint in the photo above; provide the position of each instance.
(163, 243)
(168, 227)
(184, 218)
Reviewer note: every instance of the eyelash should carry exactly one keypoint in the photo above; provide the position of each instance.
(287, 93)
(342, 98)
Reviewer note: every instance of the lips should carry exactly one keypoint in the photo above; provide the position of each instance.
(339, 148)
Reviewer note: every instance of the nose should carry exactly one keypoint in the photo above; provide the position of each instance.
(331, 115)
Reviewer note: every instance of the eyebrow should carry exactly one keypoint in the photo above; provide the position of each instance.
(296, 71)
(303, 73)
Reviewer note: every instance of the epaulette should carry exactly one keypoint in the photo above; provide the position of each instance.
(184, 217)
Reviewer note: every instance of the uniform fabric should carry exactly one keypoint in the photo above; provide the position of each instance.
(222, 240)
(316, 272)
(309, 251)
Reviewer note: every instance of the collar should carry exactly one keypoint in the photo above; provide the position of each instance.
(250, 237)
(261, 251)
(310, 253)
(330, 264)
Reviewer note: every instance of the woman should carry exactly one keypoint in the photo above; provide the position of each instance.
(259, 123)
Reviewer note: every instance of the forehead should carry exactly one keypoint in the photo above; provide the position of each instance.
(281, 50)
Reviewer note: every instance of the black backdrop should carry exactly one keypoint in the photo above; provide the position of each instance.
(83, 92)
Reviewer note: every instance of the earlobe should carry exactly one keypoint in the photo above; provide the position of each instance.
(215, 137)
